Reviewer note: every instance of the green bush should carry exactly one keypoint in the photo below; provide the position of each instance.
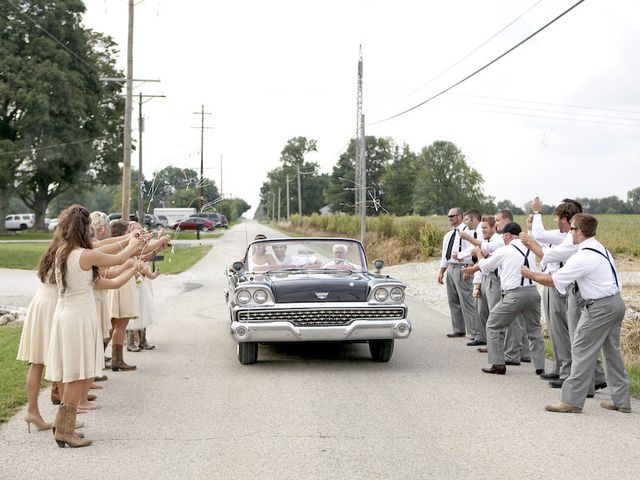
(430, 239)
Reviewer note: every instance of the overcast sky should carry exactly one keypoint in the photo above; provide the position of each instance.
(557, 117)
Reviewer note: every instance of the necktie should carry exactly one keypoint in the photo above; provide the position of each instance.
(450, 245)
(475, 259)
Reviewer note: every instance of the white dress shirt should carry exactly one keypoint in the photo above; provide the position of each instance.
(508, 261)
(495, 242)
(458, 246)
(561, 252)
(465, 254)
(591, 271)
(545, 237)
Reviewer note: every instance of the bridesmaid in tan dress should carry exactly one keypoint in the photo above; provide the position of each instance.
(75, 353)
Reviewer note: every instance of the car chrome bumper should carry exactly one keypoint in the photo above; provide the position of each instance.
(358, 330)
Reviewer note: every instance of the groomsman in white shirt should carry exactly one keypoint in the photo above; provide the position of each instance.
(459, 290)
(519, 297)
(602, 312)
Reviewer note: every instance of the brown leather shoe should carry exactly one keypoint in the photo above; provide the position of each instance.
(101, 378)
(117, 363)
(456, 334)
(496, 370)
(91, 397)
(611, 406)
(482, 349)
(563, 408)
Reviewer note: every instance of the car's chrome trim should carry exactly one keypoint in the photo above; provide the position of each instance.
(359, 330)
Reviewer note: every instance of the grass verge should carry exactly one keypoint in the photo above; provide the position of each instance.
(192, 235)
(25, 256)
(182, 259)
(22, 236)
(12, 373)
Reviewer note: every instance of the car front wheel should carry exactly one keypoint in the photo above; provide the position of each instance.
(247, 353)
(381, 350)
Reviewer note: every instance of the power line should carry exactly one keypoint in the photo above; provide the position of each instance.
(37, 149)
(26, 15)
(474, 50)
(481, 68)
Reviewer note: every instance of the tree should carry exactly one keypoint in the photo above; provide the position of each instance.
(179, 187)
(508, 204)
(292, 159)
(398, 181)
(233, 208)
(340, 192)
(65, 123)
(633, 200)
(445, 180)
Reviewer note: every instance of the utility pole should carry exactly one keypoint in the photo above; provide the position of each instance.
(288, 211)
(128, 107)
(202, 128)
(221, 194)
(140, 175)
(361, 162)
(279, 195)
(273, 206)
(299, 200)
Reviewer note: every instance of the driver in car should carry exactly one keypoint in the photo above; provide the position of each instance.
(339, 261)
(280, 252)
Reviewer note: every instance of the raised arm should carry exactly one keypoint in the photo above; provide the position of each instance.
(91, 257)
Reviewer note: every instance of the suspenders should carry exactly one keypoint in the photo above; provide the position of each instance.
(526, 264)
(613, 270)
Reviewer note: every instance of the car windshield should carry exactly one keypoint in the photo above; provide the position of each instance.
(287, 255)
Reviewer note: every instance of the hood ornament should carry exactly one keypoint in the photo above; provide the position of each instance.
(321, 295)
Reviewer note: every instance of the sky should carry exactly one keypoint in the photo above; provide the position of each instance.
(557, 117)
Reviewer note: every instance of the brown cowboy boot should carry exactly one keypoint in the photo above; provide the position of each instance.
(131, 342)
(65, 433)
(143, 340)
(117, 362)
(55, 394)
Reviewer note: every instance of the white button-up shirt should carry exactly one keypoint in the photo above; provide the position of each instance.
(560, 253)
(595, 276)
(458, 246)
(508, 261)
(548, 239)
(495, 242)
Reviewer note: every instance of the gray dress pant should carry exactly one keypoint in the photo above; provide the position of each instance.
(461, 301)
(555, 311)
(489, 296)
(598, 329)
(575, 304)
(516, 345)
(524, 301)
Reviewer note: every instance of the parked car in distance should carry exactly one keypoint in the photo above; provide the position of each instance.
(162, 220)
(224, 223)
(150, 221)
(212, 216)
(19, 221)
(202, 224)
(53, 224)
(313, 290)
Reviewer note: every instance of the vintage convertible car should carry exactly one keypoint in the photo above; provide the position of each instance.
(313, 290)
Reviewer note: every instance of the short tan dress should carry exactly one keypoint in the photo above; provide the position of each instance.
(101, 297)
(75, 349)
(124, 302)
(36, 331)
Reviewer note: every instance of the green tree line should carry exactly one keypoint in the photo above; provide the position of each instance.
(399, 182)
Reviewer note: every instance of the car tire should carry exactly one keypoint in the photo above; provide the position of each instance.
(247, 353)
(381, 350)
(23, 226)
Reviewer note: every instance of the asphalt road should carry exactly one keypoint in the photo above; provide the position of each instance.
(192, 411)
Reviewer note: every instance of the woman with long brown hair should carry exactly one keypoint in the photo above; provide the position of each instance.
(75, 353)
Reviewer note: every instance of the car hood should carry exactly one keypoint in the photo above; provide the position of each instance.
(319, 287)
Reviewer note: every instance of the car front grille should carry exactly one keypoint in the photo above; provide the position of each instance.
(321, 317)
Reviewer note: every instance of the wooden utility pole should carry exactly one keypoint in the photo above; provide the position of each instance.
(361, 161)
(202, 128)
(288, 211)
(279, 197)
(128, 107)
(299, 200)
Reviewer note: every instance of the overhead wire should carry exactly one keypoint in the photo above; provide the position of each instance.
(447, 70)
(459, 82)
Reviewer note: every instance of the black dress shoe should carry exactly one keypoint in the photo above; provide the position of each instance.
(539, 371)
(515, 364)
(600, 386)
(475, 343)
(549, 376)
(456, 334)
(591, 395)
(496, 370)
(556, 383)
(526, 360)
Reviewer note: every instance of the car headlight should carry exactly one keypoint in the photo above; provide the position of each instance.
(381, 294)
(397, 294)
(244, 297)
(260, 296)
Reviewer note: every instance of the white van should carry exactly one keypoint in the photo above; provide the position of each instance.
(19, 221)
(174, 214)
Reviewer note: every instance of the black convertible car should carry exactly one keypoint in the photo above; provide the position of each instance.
(313, 290)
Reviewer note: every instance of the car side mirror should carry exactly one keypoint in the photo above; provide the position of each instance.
(237, 266)
(378, 264)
